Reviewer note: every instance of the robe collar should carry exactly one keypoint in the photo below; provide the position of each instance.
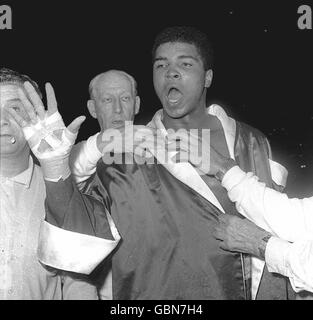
(185, 172)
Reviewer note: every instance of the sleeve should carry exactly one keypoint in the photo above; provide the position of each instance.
(293, 260)
(83, 160)
(289, 219)
(78, 231)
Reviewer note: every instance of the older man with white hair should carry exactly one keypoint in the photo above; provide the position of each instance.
(113, 101)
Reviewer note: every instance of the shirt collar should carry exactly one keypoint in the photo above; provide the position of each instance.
(25, 177)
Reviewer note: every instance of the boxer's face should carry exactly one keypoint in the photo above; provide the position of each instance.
(179, 78)
(12, 140)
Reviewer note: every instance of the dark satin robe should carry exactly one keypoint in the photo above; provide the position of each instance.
(167, 249)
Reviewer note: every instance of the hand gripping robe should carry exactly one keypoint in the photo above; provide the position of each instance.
(165, 216)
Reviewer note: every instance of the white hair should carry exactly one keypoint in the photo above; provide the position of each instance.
(94, 81)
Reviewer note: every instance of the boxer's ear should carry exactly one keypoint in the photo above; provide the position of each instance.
(208, 78)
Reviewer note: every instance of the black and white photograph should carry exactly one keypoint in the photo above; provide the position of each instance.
(156, 151)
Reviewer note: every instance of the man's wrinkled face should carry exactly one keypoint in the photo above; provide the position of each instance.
(9, 130)
(179, 78)
(114, 101)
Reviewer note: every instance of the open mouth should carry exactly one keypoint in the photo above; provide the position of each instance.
(174, 95)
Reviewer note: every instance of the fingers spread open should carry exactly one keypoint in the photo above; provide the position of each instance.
(35, 100)
(51, 99)
(18, 118)
(28, 107)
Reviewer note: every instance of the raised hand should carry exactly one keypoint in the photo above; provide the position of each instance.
(45, 132)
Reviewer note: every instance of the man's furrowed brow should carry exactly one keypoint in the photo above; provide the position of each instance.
(189, 57)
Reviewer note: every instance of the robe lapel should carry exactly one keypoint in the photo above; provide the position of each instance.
(185, 172)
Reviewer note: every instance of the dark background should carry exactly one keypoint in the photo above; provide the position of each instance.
(263, 63)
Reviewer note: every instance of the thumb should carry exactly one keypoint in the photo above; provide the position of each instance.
(74, 126)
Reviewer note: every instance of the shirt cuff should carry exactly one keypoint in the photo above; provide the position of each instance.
(92, 151)
(276, 255)
(233, 177)
(279, 173)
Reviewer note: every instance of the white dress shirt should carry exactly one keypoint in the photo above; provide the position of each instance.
(22, 209)
(22, 276)
(290, 251)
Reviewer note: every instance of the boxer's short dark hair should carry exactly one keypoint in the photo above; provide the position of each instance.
(189, 35)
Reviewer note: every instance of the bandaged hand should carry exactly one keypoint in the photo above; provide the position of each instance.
(45, 132)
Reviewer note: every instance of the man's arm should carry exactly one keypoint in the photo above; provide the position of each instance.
(293, 260)
(289, 219)
(85, 155)
(83, 160)
(88, 233)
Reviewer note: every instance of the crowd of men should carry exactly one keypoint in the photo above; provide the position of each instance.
(134, 212)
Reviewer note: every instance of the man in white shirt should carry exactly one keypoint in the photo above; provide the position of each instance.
(22, 194)
(286, 240)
